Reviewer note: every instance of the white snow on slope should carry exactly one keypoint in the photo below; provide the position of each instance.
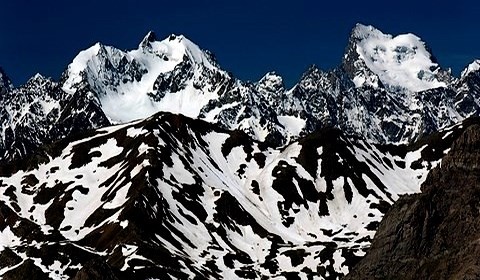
(472, 67)
(129, 100)
(402, 61)
(292, 124)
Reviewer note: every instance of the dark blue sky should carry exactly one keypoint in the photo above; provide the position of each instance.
(249, 38)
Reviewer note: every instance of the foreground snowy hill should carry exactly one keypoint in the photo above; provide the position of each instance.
(172, 197)
(388, 89)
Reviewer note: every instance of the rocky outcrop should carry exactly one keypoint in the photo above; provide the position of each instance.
(434, 234)
(95, 269)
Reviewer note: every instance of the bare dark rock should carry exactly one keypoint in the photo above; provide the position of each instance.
(27, 270)
(8, 258)
(434, 234)
(96, 269)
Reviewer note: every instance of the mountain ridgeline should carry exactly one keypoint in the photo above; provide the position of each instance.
(388, 89)
(155, 163)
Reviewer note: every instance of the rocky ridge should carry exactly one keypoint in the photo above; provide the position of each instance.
(104, 85)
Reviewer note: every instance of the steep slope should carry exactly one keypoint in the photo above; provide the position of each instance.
(467, 99)
(172, 197)
(40, 112)
(434, 234)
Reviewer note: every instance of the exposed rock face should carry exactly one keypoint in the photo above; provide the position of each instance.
(27, 270)
(40, 112)
(434, 234)
(95, 269)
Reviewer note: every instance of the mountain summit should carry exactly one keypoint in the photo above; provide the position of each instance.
(131, 85)
(400, 62)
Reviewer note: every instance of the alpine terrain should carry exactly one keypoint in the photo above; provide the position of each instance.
(155, 163)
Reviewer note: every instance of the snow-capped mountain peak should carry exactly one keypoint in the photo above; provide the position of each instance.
(38, 79)
(176, 48)
(398, 62)
(81, 63)
(150, 37)
(472, 67)
(361, 32)
(271, 82)
(158, 76)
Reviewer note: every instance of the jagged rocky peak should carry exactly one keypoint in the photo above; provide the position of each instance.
(195, 53)
(177, 48)
(149, 38)
(468, 90)
(271, 82)
(361, 32)
(312, 75)
(38, 80)
(314, 80)
(312, 71)
(38, 85)
(473, 67)
(401, 62)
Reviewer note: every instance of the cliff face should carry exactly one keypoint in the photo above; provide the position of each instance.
(434, 234)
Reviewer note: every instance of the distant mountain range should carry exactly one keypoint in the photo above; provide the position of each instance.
(156, 163)
(387, 90)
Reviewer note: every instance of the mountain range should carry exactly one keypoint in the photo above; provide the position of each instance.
(156, 163)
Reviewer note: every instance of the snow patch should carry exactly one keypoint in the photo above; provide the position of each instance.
(292, 124)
